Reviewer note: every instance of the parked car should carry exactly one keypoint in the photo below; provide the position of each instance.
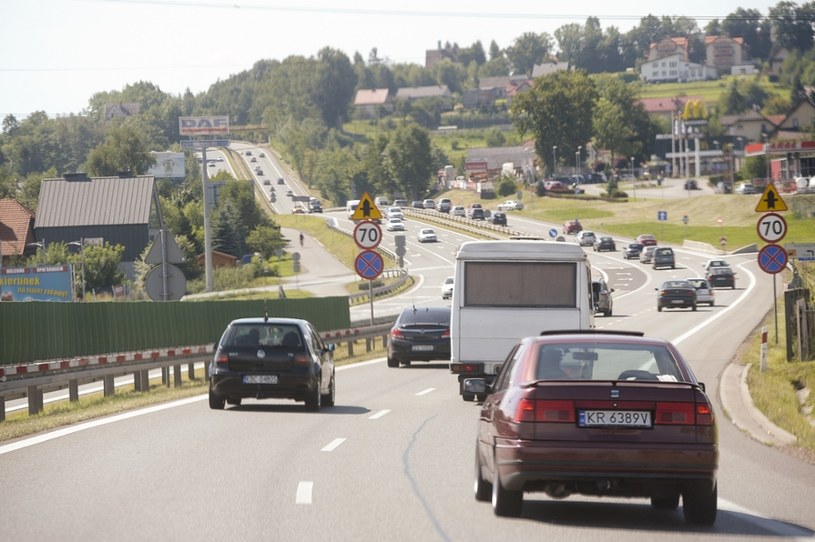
(745, 188)
(420, 334)
(498, 218)
(395, 224)
(427, 235)
(447, 288)
(647, 254)
(646, 239)
(605, 243)
(458, 210)
(444, 206)
(601, 294)
(675, 294)
(663, 257)
(429, 204)
(721, 277)
(617, 415)
(282, 358)
(510, 205)
(586, 238)
(572, 226)
(704, 293)
(632, 251)
(556, 186)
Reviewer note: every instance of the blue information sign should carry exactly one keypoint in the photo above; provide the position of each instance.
(369, 264)
(553, 233)
(662, 216)
(772, 259)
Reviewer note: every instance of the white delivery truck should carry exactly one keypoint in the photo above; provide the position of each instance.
(506, 290)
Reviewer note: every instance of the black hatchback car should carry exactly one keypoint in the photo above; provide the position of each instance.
(499, 218)
(264, 358)
(420, 334)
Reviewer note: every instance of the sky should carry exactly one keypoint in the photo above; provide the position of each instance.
(56, 54)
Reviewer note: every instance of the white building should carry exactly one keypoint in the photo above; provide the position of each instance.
(674, 69)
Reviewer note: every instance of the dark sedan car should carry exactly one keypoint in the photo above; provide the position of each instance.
(721, 277)
(605, 243)
(600, 414)
(264, 358)
(676, 294)
(420, 334)
(499, 218)
(632, 251)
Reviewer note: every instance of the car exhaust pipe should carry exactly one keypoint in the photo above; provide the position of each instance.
(557, 491)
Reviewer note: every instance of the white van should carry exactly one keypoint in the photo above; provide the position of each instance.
(351, 206)
(507, 290)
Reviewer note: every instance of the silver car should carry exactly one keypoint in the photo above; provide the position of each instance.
(704, 293)
(647, 254)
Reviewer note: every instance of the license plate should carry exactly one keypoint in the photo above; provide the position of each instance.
(422, 348)
(260, 379)
(614, 418)
(677, 301)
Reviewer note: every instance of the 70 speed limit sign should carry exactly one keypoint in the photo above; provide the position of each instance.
(771, 227)
(367, 234)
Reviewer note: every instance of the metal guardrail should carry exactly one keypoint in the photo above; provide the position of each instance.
(33, 380)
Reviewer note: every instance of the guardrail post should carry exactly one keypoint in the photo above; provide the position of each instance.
(73, 390)
(34, 400)
(177, 376)
(191, 371)
(368, 345)
(142, 380)
(165, 376)
(350, 348)
(2, 408)
(109, 385)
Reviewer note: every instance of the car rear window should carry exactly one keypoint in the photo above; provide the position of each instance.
(265, 335)
(425, 315)
(612, 361)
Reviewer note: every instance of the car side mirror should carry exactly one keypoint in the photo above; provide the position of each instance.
(476, 386)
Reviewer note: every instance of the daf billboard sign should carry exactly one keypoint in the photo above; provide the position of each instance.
(206, 125)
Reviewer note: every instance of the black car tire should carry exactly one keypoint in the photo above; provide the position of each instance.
(392, 363)
(505, 502)
(666, 502)
(607, 313)
(215, 402)
(314, 398)
(659, 307)
(328, 399)
(699, 506)
(234, 402)
(406, 363)
(693, 307)
(481, 487)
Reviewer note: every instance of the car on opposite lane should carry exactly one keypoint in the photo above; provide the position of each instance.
(676, 294)
(585, 238)
(598, 414)
(510, 205)
(419, 334)
(605, 243)
(427, 235)
(395, 224)
(632, 251)
(646, 240)
(264, 358)
(572, 226)
(447, 288)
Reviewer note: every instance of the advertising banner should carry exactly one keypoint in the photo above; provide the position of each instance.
(44, 283)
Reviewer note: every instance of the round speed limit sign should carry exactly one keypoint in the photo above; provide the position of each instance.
(367, 234)
(771, 227)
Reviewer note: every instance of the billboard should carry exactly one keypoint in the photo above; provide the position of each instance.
(205, 125)
(42, 283)
(169, 165)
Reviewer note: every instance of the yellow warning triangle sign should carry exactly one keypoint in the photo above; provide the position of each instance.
(367, 209)
(770, 200)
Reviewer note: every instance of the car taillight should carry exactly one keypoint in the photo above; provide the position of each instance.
(300, 359)
(222, 359)
(445, 333)
(466, 368)
(704, 413)
(397, 333)
(551, 411)
(674, 414)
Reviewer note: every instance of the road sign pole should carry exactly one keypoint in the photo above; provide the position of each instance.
(371, 299)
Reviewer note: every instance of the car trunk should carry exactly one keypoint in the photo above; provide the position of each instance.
(259, 359)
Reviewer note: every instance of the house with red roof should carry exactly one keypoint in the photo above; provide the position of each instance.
(16, 229)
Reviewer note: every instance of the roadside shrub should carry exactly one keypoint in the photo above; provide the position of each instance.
(507, 187)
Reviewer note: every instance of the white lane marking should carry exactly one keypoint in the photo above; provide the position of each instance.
(304, 490)
(95, 423)
(333, 445)
(425, 392)
(378, 415)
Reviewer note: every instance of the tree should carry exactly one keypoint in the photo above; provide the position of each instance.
(755, 29)
(527, 50)
(266, 240)
(409, 160)
(124, 149)
(336, 86)
(792, 25)
(101, 266)
(557, 110)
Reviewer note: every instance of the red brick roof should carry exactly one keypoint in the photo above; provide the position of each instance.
(16, 228)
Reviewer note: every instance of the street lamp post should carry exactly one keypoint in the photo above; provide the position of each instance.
(554, 163)
(577, 160)
(633, 177)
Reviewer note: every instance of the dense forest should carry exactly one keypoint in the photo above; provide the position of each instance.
(303, 105)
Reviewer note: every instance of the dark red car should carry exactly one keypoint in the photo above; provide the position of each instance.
(601, 414)
(646, 239)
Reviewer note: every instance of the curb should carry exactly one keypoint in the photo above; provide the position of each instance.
(739, 407)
